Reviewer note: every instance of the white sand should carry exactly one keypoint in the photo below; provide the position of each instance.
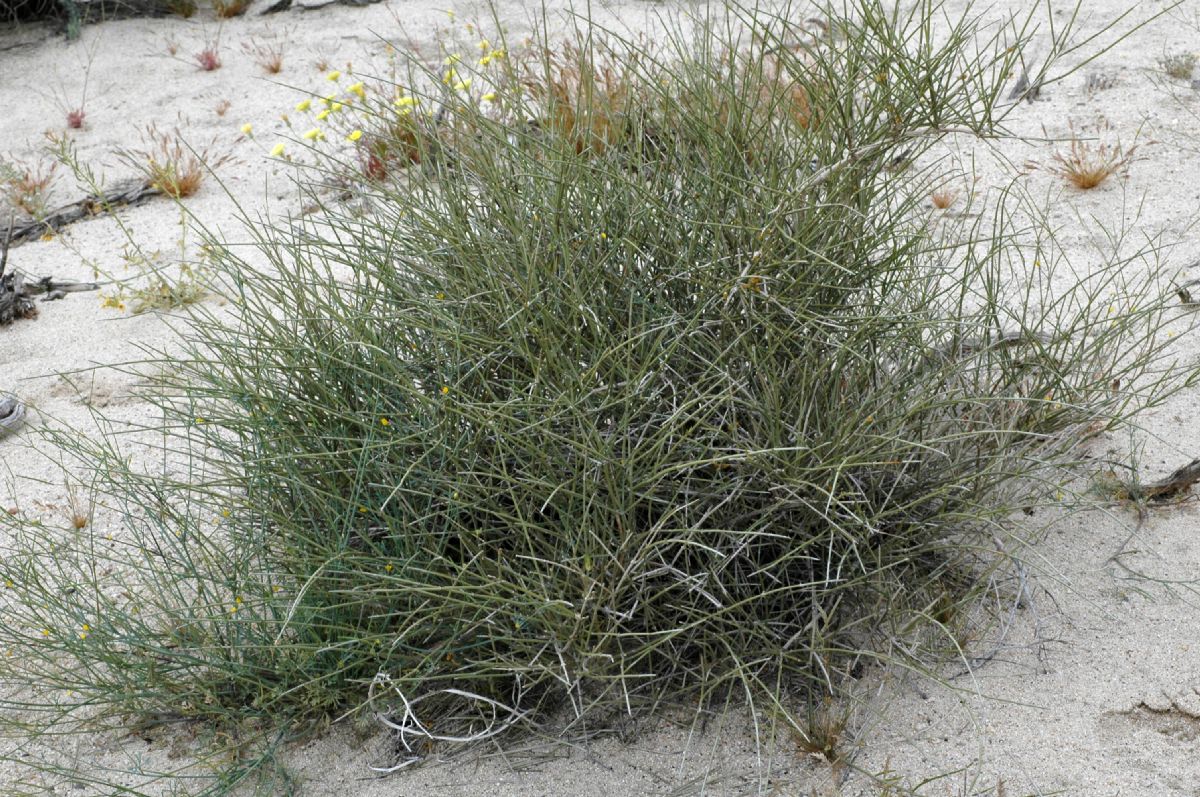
(1098, 689)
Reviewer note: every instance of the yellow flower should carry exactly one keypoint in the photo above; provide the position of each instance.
(277, 150)
(304, 105)
(487, 59)
(453, 58)
(45, 632)
(84, 633)
(334, 75)
(445, 389)
(323, 115)
(358, 89)
(199, 420)
(484, 45)
(496, 53)
(384, 422)
(328, 99)
(405, 102)
(388, 567)
(315, 134)
(489, 97)
(439, 295)
(247, 129)
(449, 77)
(336, 106)
(462, 85)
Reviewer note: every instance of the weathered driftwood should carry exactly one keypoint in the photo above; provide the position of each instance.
(17, 290)
(128, 192)
(312, 5)
(1170, 487)
(12, 413)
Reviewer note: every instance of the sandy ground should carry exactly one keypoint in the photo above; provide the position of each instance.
(1097, 688)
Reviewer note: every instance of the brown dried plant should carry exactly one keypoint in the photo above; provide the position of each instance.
(26, 187)
(585, 96)
(169, 165)
(268, 55)
(943, 197)
(227, 9)
(1087, 164)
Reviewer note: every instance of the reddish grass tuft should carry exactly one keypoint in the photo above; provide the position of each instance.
(943, 197)
(208, 59)
(1086, 165)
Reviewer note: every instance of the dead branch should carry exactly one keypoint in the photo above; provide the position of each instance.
(129, 192)
(17, 290)
(1170, 487)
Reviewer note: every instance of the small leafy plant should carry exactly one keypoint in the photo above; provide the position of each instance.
(1178, 66)
(162, 293)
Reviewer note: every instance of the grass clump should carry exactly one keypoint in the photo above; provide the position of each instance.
(614, 402)
(228, 9)
(1087, 164)
(170, 165)
(27, 187)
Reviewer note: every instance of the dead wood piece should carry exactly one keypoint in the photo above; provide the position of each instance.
(1179, 481)
(17, 290)
(1025, 88)
(129, 192)
(1184, 291)
(12, 413)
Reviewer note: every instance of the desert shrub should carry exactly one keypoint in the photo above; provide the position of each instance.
(667, 395)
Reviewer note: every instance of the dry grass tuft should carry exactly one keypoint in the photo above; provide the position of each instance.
(171, 166)
(228, 9)
(943, 197)
(182, 8)
(26, 187)
(585, 96)
(208, 59)
(1086, 165)
(268, 55)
